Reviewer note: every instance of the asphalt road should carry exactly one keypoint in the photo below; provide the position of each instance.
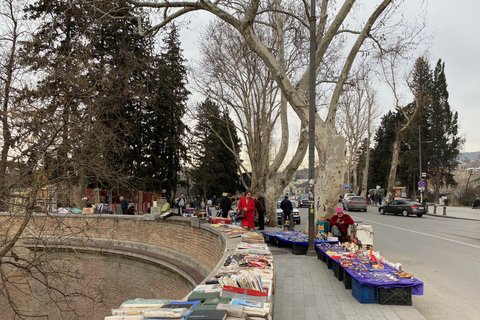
(443, 253)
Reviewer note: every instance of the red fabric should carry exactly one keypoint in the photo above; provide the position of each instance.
(249, 214)
(347, 220)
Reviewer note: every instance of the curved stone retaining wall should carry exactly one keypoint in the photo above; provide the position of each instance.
(123, 257)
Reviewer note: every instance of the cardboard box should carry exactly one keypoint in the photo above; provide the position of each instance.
(88, 210)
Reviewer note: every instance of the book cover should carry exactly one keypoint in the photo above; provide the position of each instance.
(206, 307)
(208, 314)
(202, 296)
(183, 304)
(217, 301)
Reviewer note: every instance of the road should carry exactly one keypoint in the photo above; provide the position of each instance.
(443, 253)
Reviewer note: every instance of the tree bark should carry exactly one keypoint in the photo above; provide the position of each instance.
(393, 168)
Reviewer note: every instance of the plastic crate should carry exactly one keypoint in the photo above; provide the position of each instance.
(299, 249)
(281, 243)
(347, 279)
(338, 271)
(329, 263)
(401, 296)
(321, 256)
(363, 293)
(274, 241)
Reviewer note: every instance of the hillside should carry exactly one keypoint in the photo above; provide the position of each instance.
(466, 156)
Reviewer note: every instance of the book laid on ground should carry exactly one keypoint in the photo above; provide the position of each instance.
(183, 304)
(208, 314)
(199, 295)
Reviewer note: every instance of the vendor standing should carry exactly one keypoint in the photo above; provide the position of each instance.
(247, 204)
(226, 205)
(339, 223)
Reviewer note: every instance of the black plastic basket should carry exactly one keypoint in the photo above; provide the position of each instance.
(347, 279)
(299, 249)
(321, 256)
(401, 296)
(338, 271)
(266, 237)
(329, 263)
(274, 241)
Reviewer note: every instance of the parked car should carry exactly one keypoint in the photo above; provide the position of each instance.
(356, 203)
(296, 213)
(345, 198)
(404, 207)
(303, 201)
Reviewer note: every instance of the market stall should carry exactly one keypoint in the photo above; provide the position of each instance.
(372, 278)
(296, 239)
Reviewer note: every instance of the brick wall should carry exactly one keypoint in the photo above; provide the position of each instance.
(96, 266)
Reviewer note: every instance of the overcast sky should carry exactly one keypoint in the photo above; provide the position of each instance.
(455, 26)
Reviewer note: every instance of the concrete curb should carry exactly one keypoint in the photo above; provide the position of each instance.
(450, 217)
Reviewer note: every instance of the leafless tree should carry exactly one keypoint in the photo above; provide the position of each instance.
(246, 16)
(357, 113)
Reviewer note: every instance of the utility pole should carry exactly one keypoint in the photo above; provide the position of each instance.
(420, 161)
(311, 134)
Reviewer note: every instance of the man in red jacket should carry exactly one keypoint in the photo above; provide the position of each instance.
(339, 223)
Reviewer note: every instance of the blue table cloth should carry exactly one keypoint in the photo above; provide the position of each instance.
(375, 278)
(293, 237)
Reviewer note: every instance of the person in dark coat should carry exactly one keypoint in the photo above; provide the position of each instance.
(131, 210)
(476, 204)
(287, 208)
(124, 205)
(260, 206)
(226, 205)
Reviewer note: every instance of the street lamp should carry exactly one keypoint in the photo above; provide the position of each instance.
(421, 175)
(311, 132)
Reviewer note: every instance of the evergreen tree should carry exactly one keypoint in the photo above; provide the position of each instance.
(215, 167)
(156, 161)
(442, 153)
(119, 104)
(437, 126)
(381, 155)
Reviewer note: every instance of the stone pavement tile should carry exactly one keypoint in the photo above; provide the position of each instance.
(337, 314)
(373, 309)
(311, 313)
(329, 291)
(388, 312)
(407, 313)
(347, 308)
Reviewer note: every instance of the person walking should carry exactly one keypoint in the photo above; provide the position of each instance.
(287, 208)
(181, 204)
(124, 205)
(225, 205)
(260, 206)
(247, 205)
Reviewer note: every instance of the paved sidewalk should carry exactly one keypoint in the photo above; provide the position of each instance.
(465, 213)
(305, 289)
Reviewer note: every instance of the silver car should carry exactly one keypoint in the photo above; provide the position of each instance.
(355, 203)
(296, 213)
